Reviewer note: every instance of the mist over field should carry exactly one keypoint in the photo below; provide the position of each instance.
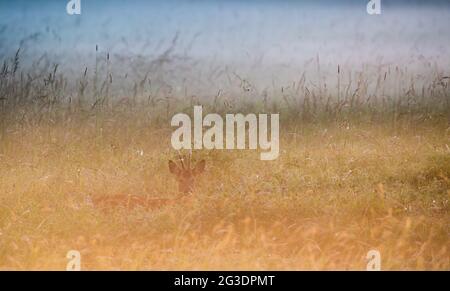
(267, 42)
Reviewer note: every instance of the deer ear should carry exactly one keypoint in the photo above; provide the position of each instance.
(200, 167)
(173, 168)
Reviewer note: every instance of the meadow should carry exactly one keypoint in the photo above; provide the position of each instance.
(359, 169)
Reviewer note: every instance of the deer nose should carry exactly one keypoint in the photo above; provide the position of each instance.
(186, 186)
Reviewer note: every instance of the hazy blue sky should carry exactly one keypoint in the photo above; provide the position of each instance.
(280, 37)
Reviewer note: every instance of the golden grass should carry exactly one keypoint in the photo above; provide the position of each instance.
(336, 192)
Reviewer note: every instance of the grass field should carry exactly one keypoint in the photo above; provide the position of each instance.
(353, 175)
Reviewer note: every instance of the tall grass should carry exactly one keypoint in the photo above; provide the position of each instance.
(363, 166)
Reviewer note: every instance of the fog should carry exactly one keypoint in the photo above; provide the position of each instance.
(265, 41)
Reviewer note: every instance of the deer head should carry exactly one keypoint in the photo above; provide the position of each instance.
(185, 174)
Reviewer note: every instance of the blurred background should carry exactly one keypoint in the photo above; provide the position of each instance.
(266, 41)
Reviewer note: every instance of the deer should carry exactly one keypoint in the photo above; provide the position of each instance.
(185, 175)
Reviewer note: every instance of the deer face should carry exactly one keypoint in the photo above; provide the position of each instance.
(186, 175)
